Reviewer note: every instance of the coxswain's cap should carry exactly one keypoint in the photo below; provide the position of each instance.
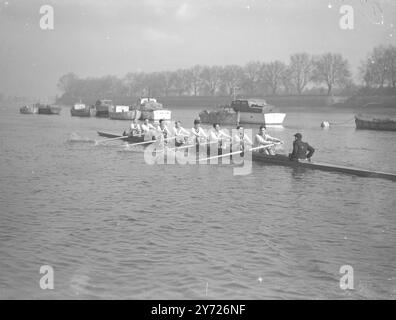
(298, 135)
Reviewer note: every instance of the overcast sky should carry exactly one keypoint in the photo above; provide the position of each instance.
(101, 37)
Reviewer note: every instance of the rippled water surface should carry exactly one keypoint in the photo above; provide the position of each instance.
(113, 227)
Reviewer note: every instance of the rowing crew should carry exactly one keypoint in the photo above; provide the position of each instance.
(263, 142)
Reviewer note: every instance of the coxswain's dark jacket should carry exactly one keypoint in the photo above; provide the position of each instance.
(301, 150)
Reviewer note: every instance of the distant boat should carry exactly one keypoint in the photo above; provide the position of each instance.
(29, 109)
(47, 109)
(157, 115)
(250, 111)
(153, 110)
(257, 111)
(124, 113)
(370, 122)
(82, 110)
(224, 116)
(102, 107)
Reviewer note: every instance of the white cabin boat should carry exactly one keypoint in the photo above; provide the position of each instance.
(257, 111)
(153, 110)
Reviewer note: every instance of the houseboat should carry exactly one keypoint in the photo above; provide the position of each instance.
(102, 107)
(82, 110)
(248, 111)
(124, 113)
(371, 122)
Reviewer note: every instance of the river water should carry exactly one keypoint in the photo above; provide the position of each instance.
(112, 226)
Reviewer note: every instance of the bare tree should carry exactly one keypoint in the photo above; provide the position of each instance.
(390, 58)
(380, 67)
(273, 73)
(211, 77)
(252, 76)
(180, 80)
(231, 78)
(300, 70)
(331, 69)
(67, 81)
(287, 83)
(194, 75)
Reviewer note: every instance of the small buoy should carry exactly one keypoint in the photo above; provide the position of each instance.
(325, 124)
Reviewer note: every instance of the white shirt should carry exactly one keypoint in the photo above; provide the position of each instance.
(245, 139)
(199, 134)
(147, 127)
(180, 131)
(135, 126)
(215, 136)
(264, 140)
(163, 130)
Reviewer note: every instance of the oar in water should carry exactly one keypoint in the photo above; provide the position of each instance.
(237, 152)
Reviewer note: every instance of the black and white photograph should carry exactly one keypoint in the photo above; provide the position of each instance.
(197, 150)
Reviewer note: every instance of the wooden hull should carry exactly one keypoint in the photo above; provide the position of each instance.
(86, 112)
(102, 114)
(49, 110)
(129, 139)
(102, 110)
(127, 115)
(283, 160)
(28, 110)
(375, 124)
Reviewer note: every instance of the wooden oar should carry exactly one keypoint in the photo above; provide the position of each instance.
(184, 147)
(149, 141)
(111, 139)
(140, 143)
(237, 152)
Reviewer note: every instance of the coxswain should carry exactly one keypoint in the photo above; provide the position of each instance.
(181, 134)
(263, 139)
(218, 137)
(301, 150)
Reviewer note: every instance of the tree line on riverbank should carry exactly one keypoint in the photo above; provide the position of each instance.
(324, 74)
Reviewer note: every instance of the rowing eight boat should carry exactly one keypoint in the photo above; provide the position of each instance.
(283, 160)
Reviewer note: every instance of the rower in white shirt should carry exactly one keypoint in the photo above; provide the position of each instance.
(181, 134)
(164, 133)
(147, 126)
(148, 130)
(198, 134)
(218, 138)
(241, 138)
(264, 139)
(135, 128)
